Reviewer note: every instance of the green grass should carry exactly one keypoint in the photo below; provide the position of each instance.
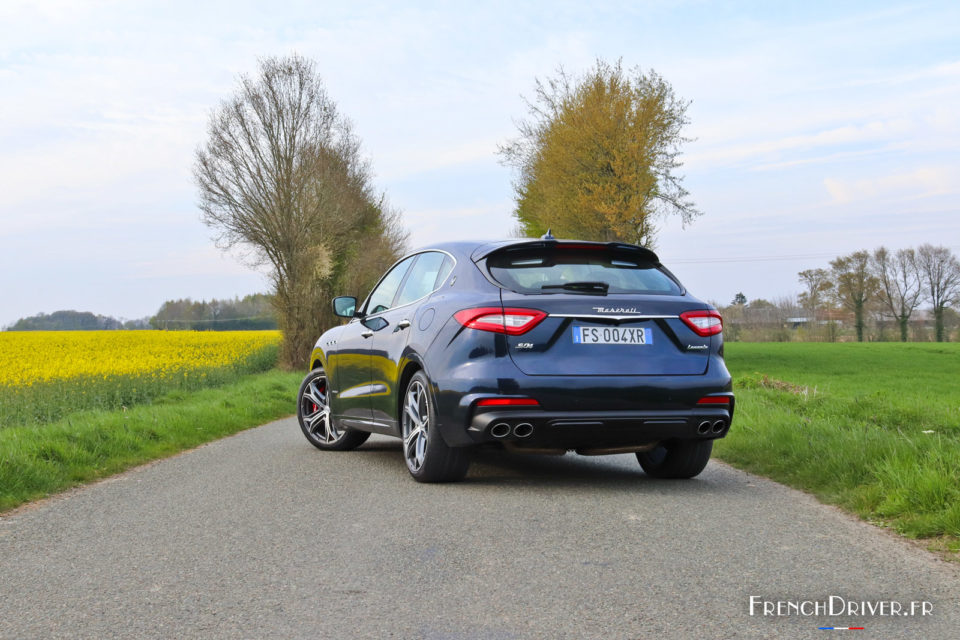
(38, 460)
(873, 428)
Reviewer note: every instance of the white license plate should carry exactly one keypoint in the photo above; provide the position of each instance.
(611, 335)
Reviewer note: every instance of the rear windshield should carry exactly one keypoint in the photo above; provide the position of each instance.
(577, 270)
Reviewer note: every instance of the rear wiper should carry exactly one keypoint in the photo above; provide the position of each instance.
(596, 288)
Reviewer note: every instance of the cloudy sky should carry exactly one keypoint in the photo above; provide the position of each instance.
(820, 128)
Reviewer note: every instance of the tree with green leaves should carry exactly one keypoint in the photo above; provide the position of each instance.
(281, 174)
(854, 285)
(598, 157)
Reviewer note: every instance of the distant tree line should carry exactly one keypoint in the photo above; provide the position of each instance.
(249, 313)
(252, 312)
(74, 321)
(880, 294)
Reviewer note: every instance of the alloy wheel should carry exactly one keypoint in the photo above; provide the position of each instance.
(416, 424)
(316, 412)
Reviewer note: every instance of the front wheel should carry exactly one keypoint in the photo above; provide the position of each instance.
(428, 457)
(683, 459)
(316, 421)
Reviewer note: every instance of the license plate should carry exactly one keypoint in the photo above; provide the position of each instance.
(611, 335)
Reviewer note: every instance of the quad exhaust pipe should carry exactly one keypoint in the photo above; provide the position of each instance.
(502, 430)
(707, 427)
(523, 430)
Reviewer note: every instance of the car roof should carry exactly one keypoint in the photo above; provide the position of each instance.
(479, 249)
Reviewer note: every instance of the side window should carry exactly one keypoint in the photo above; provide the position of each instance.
(444, 271)
(423, 277)
(382, 297)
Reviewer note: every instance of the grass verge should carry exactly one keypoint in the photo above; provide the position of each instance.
(36, 461)
(872, 428)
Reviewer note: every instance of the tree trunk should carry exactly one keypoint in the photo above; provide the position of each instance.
(299, 318)
(938, 322)
(858, 315)
(902, 321)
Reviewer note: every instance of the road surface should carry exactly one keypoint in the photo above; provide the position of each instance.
(262, 536)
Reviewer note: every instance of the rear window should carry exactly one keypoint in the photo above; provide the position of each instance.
(577, 270)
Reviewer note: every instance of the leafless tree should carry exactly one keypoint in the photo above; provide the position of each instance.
(855, 286)
(281, 173)
(899, 284)
(940, 276)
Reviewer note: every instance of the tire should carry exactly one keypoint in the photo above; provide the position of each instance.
(683, 459)
(316, 421)
(428, 457)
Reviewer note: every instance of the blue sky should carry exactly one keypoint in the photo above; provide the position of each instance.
(820, 128)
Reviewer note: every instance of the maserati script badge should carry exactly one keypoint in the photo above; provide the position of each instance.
(615, 310)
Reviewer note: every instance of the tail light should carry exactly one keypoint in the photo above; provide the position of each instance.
(714, 400)
(510, 321)
(704, 323)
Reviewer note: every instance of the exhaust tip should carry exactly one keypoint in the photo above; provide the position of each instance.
(704, 427)
(523, 430)
(500, 430)
(718, 426)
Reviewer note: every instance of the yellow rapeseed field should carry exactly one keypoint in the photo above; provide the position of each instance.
(45, 375)
(29, 357)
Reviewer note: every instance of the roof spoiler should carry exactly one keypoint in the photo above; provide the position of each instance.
(552, 243)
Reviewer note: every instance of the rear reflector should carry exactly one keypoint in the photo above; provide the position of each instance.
(714, 400)
(704, 323)
(508, 402)
(513, 322)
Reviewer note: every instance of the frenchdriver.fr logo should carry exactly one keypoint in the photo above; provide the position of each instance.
(837, 606)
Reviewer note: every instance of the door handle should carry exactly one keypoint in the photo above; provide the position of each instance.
(403, 324)
(367, 334)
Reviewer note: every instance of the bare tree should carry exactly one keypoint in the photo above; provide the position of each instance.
(899, 284)
(281, 173)
(855, 285)
(940, 276)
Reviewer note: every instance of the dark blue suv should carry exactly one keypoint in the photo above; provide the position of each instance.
(534, 346)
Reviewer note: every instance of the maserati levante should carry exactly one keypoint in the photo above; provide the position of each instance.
(533, 346)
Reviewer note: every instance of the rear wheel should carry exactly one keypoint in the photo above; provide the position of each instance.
(428, 457)
(683, 459)
(316, 421)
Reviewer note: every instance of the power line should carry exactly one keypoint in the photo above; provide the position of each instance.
(798, 256)
(732, 259)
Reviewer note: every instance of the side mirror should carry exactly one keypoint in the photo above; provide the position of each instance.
(345, 306)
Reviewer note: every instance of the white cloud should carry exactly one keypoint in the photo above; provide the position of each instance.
(481, 222)
(919, 183)
(401, 163)
(195, 261)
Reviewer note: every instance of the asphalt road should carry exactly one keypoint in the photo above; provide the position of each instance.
(262, 536)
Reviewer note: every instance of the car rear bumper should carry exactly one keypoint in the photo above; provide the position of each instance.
(581, 411)
(596, 429)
